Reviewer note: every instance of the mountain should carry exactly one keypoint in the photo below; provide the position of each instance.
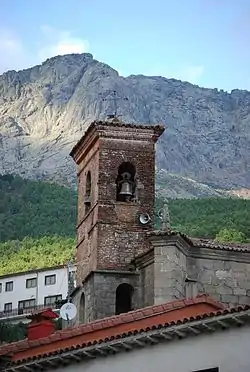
(45, 109)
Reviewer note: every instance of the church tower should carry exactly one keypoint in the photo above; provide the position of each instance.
(116, 185)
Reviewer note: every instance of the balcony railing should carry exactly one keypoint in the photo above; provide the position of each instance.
(26, 311)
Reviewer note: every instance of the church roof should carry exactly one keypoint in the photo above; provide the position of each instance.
(123, 332)
(203, 243)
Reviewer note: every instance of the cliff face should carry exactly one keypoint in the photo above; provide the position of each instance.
(44, 110)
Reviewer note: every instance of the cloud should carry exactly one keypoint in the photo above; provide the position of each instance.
(15, 55)
(60, 43)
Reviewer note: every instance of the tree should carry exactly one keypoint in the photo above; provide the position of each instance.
(12, 332)
(231, 236)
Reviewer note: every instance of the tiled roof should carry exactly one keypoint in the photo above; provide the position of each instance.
(195, 322)
(115, 325)
(158, 129)
(204, 243)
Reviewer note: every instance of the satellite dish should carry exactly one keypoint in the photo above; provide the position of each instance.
(144, 218)
(68, 311)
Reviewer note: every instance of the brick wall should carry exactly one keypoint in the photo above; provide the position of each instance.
(110, 235)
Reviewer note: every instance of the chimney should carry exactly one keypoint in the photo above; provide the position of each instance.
(42, 324)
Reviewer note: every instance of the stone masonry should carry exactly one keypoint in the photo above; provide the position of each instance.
(222, 271)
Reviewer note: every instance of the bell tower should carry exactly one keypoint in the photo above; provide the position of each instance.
(116, 184)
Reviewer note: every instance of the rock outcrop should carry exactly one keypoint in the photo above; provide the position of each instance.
(44, 110)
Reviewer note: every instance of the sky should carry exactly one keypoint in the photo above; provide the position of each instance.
(205, 42)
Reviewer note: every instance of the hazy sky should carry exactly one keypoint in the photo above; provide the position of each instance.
(206, 42)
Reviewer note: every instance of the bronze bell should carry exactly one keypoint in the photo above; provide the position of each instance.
(126, 188)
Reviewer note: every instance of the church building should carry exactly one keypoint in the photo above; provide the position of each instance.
(146, 299)
(123, 264)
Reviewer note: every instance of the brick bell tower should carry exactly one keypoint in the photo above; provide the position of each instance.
(116, 184)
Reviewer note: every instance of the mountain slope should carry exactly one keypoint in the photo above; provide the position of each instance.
(44, 110)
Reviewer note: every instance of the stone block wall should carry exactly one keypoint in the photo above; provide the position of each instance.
(99, 291)
(169, 274)
(227, 281)
(222, 273)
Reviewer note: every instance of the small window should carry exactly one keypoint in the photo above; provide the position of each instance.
(8, 307)
(51, 300)
(31, 283)
(8, 286)
(27, 304)
(50, 279)
(1, 287)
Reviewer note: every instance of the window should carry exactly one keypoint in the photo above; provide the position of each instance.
(31, 283)
(50, 279)
(215, 369)
(51, 300)
(8, 307)
(26, 304)
(82, 308)
(1, 287)
(8, 286)
(87, 200)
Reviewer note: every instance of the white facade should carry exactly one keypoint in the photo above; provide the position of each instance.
(24, 292)
(227, 350)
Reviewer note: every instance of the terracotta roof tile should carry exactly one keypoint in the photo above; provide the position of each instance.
(136, 331)
(203, 243)
(112, 326)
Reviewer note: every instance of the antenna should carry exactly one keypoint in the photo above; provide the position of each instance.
(68, 311)
(165, 217)
(115, 99)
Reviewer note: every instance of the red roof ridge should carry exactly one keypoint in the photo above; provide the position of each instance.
(109, 322)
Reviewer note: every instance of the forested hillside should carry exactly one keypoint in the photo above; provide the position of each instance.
(38, 219)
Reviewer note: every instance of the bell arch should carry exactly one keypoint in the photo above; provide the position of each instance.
(124, 298)
(87, 200)
(126, 182)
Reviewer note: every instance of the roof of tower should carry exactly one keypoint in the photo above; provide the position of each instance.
(107, 126)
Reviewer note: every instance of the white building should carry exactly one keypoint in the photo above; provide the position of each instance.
(21, 293)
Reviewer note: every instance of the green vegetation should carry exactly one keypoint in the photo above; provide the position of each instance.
(37, 209)
(12, 332)
(33, 253)
(37, 222)
(231, 235)
(207, 216)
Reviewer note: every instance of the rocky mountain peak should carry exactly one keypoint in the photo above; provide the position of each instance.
(45, 109)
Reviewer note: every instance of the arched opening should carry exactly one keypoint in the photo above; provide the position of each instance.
(126, 182)
(124, 295)
(82, 308)
(87, 200)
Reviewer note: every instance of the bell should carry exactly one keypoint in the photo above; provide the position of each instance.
(126, 188)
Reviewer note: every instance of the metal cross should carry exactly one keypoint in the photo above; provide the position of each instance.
(115, 99)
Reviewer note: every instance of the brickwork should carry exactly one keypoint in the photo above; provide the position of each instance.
(110, 235)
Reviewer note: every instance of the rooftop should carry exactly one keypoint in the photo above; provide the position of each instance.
(98, 125)
(150, 324)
